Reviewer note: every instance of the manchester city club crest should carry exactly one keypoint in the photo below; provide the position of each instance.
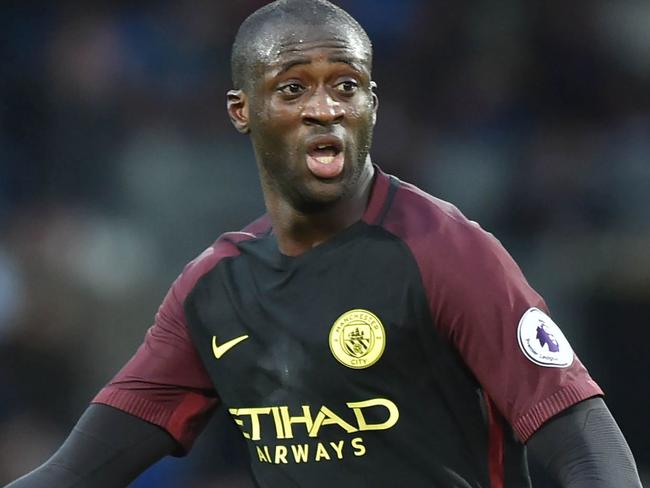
(357, 339)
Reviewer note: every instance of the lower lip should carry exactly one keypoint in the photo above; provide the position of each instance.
(329, 170)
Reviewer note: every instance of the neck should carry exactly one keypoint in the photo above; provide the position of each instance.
(298, 232)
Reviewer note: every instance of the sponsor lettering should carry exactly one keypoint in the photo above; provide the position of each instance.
(286, 424)
(304, 453)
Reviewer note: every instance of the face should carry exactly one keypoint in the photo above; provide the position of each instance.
(310, 114)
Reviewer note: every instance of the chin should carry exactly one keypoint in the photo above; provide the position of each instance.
(319, 197)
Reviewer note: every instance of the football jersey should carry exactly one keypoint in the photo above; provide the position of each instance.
(407, 349)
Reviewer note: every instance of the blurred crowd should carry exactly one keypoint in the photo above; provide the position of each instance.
(118, 165)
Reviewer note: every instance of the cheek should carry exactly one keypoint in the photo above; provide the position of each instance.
(362, 116)
(363, 110)
(279, 120)
(274, 133)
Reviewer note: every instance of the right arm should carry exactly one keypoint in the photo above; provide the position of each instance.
(107, 448)
(156, 405)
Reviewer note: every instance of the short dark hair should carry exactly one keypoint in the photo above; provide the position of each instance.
(249, 42)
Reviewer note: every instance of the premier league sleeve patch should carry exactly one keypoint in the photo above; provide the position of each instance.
(542, 341)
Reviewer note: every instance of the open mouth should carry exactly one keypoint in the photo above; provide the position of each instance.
(324, 154)
(325, 151)
(325, 157)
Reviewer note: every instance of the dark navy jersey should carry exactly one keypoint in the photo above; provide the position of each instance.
(406, 350)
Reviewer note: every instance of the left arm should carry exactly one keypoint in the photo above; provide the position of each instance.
(582, 447)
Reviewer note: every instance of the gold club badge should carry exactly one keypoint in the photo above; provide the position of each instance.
(357, 339)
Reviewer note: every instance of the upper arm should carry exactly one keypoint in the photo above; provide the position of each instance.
(165, 382)
(480, 301)
(502, 329)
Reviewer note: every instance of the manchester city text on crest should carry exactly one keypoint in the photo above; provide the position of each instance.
(357, 339)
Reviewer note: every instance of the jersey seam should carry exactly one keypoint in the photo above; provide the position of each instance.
(250, 237)
(407, 249)
(434, 203)
(394, 185)
(439, 330)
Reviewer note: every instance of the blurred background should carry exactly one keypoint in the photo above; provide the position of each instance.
(118, 165)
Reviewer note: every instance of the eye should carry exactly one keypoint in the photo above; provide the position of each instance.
(347, 87)
(291, 89)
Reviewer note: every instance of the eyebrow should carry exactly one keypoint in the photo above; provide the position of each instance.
(284, 67)
(346, 60)
(298, 61)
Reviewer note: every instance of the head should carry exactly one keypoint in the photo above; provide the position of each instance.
(303, 92)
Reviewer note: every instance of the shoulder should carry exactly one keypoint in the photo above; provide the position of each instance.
(454, 254)
(224, 247)
(422, 221)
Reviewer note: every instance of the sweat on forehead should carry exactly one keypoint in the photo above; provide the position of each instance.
(265, 32)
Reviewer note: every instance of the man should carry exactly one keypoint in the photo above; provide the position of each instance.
(362, 333)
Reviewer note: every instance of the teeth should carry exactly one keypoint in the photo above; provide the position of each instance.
(322, 146)
(325, 159)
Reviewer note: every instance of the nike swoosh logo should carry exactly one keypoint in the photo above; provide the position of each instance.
(219, 351)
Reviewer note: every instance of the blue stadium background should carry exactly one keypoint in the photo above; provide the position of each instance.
(118, 165)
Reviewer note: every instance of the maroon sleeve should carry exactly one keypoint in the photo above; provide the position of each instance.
(165, 382)
(481, 302)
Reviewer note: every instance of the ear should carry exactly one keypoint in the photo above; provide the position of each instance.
(375, 101)
(237, 106)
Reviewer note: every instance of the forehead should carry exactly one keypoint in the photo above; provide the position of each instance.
(278, 43)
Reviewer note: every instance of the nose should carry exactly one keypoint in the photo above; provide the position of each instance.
(322, 109)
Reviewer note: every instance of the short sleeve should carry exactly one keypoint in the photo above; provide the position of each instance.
(477, 297)
(481, 300)
(165, 382)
